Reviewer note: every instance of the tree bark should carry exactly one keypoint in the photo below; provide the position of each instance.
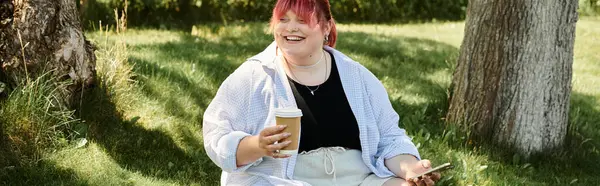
(513, 78)
(45, 35)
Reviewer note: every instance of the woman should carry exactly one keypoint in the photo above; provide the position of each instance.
(350, 133)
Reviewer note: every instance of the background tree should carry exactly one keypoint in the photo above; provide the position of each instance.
(513, 79)
(41, 35)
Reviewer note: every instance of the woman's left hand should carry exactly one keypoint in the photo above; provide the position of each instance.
(419, 167)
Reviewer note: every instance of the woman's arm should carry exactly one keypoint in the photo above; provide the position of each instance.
(226, 143)
(225, 119)
(395, 148)
(401, 156)
(400, 163)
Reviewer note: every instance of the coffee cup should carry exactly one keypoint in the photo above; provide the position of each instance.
(289, 117)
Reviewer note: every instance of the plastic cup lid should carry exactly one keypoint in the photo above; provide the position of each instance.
(288, 112)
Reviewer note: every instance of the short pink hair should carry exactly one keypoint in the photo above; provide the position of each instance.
(307, 10)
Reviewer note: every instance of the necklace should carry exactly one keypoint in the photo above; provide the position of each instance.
(308, 66)
(318, 86)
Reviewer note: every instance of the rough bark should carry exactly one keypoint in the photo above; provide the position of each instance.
(513, 79)
(45, 35)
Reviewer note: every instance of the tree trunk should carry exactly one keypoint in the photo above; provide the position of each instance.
(45, 35)
(513, 79)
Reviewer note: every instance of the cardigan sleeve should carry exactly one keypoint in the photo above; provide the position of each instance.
(225, 118)
(393, 139)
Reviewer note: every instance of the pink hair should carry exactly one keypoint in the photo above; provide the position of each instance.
(307, 10)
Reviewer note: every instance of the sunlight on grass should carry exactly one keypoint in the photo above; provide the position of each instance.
(587, 59)
(450, 33)
(98, 168)
(409, 93)
(136, 37)
(442, 77)
(216, 33)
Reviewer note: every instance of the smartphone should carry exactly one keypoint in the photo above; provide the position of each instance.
(440, 168)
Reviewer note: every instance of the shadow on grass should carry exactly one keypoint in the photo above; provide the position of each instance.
(176, 81)
(45, 173)
(150, 152)
(409, 62)
(15, 171)
(7, 156)
(412, 64)
(207, 61)
(577, 162)
(581, 159)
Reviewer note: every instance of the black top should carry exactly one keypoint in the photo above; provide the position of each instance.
(334, 123)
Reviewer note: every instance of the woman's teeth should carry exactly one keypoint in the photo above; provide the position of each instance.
(294, 38)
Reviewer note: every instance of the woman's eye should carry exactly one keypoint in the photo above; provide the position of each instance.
(301, 20)
(283, 20)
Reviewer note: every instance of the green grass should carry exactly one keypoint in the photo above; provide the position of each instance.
(144, 117)
(33, 119)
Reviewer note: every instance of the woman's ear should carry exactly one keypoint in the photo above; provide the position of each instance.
(327, 28)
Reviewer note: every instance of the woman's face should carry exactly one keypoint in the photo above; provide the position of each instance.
(296, 38)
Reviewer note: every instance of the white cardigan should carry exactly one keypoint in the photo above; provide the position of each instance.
(245, 102)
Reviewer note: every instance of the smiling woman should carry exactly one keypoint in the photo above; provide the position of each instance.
(349, 131)
(316, 15)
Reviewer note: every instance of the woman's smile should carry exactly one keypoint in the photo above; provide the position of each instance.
(293, 39)
(299, 37)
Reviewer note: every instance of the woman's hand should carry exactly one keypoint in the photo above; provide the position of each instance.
(252, 148)
(419, 167)
(267, 139)
(406, 166)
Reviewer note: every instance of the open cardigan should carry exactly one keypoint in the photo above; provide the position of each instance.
(245, 104)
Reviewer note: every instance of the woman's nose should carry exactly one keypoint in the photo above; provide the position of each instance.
(292, 25)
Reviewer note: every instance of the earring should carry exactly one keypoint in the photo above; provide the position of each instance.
(326, 39)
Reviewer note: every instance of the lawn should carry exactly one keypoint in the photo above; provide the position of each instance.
(145, 118)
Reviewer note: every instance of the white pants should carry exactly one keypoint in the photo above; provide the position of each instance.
(333, 166)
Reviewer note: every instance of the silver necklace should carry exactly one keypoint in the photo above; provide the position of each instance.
(318, 86)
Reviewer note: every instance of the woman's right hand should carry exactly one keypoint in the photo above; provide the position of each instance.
(267, 139)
